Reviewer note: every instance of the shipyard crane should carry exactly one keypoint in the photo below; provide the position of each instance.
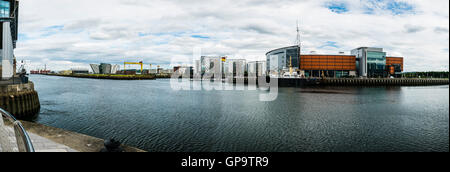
(133, 63)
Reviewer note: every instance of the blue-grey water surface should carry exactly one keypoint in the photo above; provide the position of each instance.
(153, 117)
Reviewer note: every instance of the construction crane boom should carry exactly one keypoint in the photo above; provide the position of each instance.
(134, 63)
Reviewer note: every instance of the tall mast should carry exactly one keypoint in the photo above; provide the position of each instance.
(299, 44)
(298, 40)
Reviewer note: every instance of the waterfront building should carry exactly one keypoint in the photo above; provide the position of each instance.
(233, 67)
(79, 71)
(115, 68)
(8, 37)
(95, 68)
(363, 62)
(208, 64)
(197, 68)
(370, 62)
(104, 68)
(282, 59)
(288, 59)
(327, 66)
(257, 68)
(184, 70)
(165, 71)
(394, 66)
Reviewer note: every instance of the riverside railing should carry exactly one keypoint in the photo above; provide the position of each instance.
(23, 140)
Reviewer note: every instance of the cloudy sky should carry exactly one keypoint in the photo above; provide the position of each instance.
(66, 34)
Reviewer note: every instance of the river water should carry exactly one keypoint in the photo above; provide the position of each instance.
(151, 116)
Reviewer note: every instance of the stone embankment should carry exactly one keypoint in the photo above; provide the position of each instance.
(21, 100)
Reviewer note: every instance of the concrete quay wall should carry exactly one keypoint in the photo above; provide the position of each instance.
(21, 100)
(383, 82)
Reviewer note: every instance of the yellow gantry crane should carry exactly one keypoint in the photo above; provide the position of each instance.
(133, 63)
(138, 63)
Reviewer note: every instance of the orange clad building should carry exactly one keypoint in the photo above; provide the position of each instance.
(394, 65)
(329, 65)
(328, 62)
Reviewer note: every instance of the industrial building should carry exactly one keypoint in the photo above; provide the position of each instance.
(79, 71)
(8, 37)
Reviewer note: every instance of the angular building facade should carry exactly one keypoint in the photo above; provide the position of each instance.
(8, 36)
(371, 62)
(95, 68)
(104, 68)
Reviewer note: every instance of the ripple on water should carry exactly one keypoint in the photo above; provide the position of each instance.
(149, 115)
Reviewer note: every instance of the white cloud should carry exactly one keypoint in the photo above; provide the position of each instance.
(155, 31)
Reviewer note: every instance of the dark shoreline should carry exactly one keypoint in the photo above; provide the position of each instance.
(109, 77)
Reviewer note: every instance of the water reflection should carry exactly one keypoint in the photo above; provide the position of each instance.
(151, 116)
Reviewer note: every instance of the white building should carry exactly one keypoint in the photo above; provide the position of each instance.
(208, 64)
(7, 52)
(115, 68)
(258, 68)
(95, 68)
(235, 66)
(8, 30)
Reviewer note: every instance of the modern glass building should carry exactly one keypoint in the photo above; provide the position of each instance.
(9, 12)
(280, 60)
(8, 37)
(371, 62)
(4, 9)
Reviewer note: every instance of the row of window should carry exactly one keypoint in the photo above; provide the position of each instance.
(330, 61)
(4, 9)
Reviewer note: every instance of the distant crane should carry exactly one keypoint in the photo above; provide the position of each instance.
(133, 63)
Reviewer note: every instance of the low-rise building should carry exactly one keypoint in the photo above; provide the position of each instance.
(394, 66)
(327, 65)
(79, 71)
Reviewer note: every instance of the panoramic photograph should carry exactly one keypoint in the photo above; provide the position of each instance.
(211, 76)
